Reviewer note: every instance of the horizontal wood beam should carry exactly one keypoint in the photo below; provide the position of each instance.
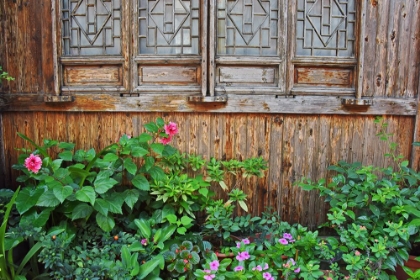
(235, 104)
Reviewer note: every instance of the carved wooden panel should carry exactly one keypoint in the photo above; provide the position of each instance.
(323, 76)
(230, 76)
(169, 27)
(91, 27)
(169, 75)
(94, 75)
(325, 28)
(247, 27)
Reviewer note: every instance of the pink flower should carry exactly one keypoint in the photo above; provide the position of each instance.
(165, 140)
(242, 256)
(171, 129)
(267, 275)
(297, 270)
(33, 163)
(283, 241)
(265, 266)
(239, 268)
(238, 244)
(357, 253)
(258, 267)
(246, 241)
(214, 265)
(209, 277)
(287, 236)
(207, 271)
(143, 242)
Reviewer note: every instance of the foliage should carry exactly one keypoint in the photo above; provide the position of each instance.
(4, 75)
(374, 211)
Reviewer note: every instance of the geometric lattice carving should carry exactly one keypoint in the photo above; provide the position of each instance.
(91, 27)
(169, 27)
(325, 27)
(247, 27)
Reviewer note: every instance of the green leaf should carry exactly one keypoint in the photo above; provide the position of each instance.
(139, 151)
(149, 162)
(150, 266)
(125, 257)
(81, 211)
(168, 151)
(27, 198)
(157, 148)
(106, 223)
(86, 194)
(243, 205)
(151, 127)
(131, 196)
(102, 206)
(167, 232)
(102, 185)
(145, 137)
(61, 193)
(185, 220)
(160, 122)
(37, 219)
(157, 173)
(144, 228)
(66, 155)
(171, 218)
(140, 182)
(66, 146)
(48, 199)
(115, 203)
(351, 214)
(130, 166)
(56, 164)
(110, 157)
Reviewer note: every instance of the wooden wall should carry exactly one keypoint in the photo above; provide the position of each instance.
(296, 141)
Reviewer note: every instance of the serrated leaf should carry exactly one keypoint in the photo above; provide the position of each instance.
(151, 127)
(157, 173)
(86, 194)
(160, 122)
(48, 199)
(81, 211)
(27, 198)
(115, 203)
(148, 163)
(66, 146)
(157, 148)
(102, 206)
(145, 137)
(140, 182)
(168, 151)
(90, 154)
(110, 157)
(106, 223)
(66, 155)
(130, 166)
(56, 164)
(102, 185)
(139, 151)
(131, 196)
(62, 192)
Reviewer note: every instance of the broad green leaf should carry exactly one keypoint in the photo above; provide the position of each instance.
(150, 266)
(131, 196)
(66, 155)
(185, 220)
(157, 148)
(36, 219)
(110, 157)
(149, 162)
(168, 151)
(102, 185)
(66, 146)
(115, 203)
(138, 151)
(106, 223)
(171, 218)
(145, 137)
(102, 206)
(81, 211)
(144, 228)
(48, 199)
(157, 173)
(167, 232)
(90, 154)
(243, 205)
(56, 164)
(86, 194)
(151, 127)
(160, 122)
(140, 182)
(130, 166)
(125, 257)
(62, 192)
(181, 230)
(27, 198)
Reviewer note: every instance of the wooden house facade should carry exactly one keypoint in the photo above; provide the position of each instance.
(298, 82)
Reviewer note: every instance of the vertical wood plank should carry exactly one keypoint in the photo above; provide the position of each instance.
(275, 163)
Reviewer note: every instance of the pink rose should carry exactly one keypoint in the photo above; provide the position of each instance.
(165, 140)
(33, 163)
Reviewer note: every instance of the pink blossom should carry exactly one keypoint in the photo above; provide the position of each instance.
(33, 163)
(242, 256)
(209, 277)
(283, 241)
(357, 253)
(258, 267)
(265, 266)
(165, 140)
(287, 236)
(143, 242)
(238, 244)
(267, 275)
(239, 268)
(246, 241)
(297, 270)
(207, 271)
(171, 129)
(214, 265)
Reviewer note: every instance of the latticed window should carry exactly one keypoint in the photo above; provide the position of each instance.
(207, 47)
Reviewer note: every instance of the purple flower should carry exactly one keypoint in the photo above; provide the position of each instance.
(246, 241)
(297, 270)
(144, 242)
(258, 267)
(287, 236)
(214, 265)
(239, 268)
(209, 277)
(265, 266)
(283, 241)
(238, 244)
(267, 275)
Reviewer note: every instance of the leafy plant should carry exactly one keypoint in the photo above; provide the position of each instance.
(4, 75)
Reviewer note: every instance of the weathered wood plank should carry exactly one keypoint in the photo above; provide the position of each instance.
(275, 163)
(236, 103)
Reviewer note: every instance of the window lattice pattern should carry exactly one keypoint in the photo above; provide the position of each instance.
(325, 28)
(169, 27)
(91, 27)
(247, 27)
